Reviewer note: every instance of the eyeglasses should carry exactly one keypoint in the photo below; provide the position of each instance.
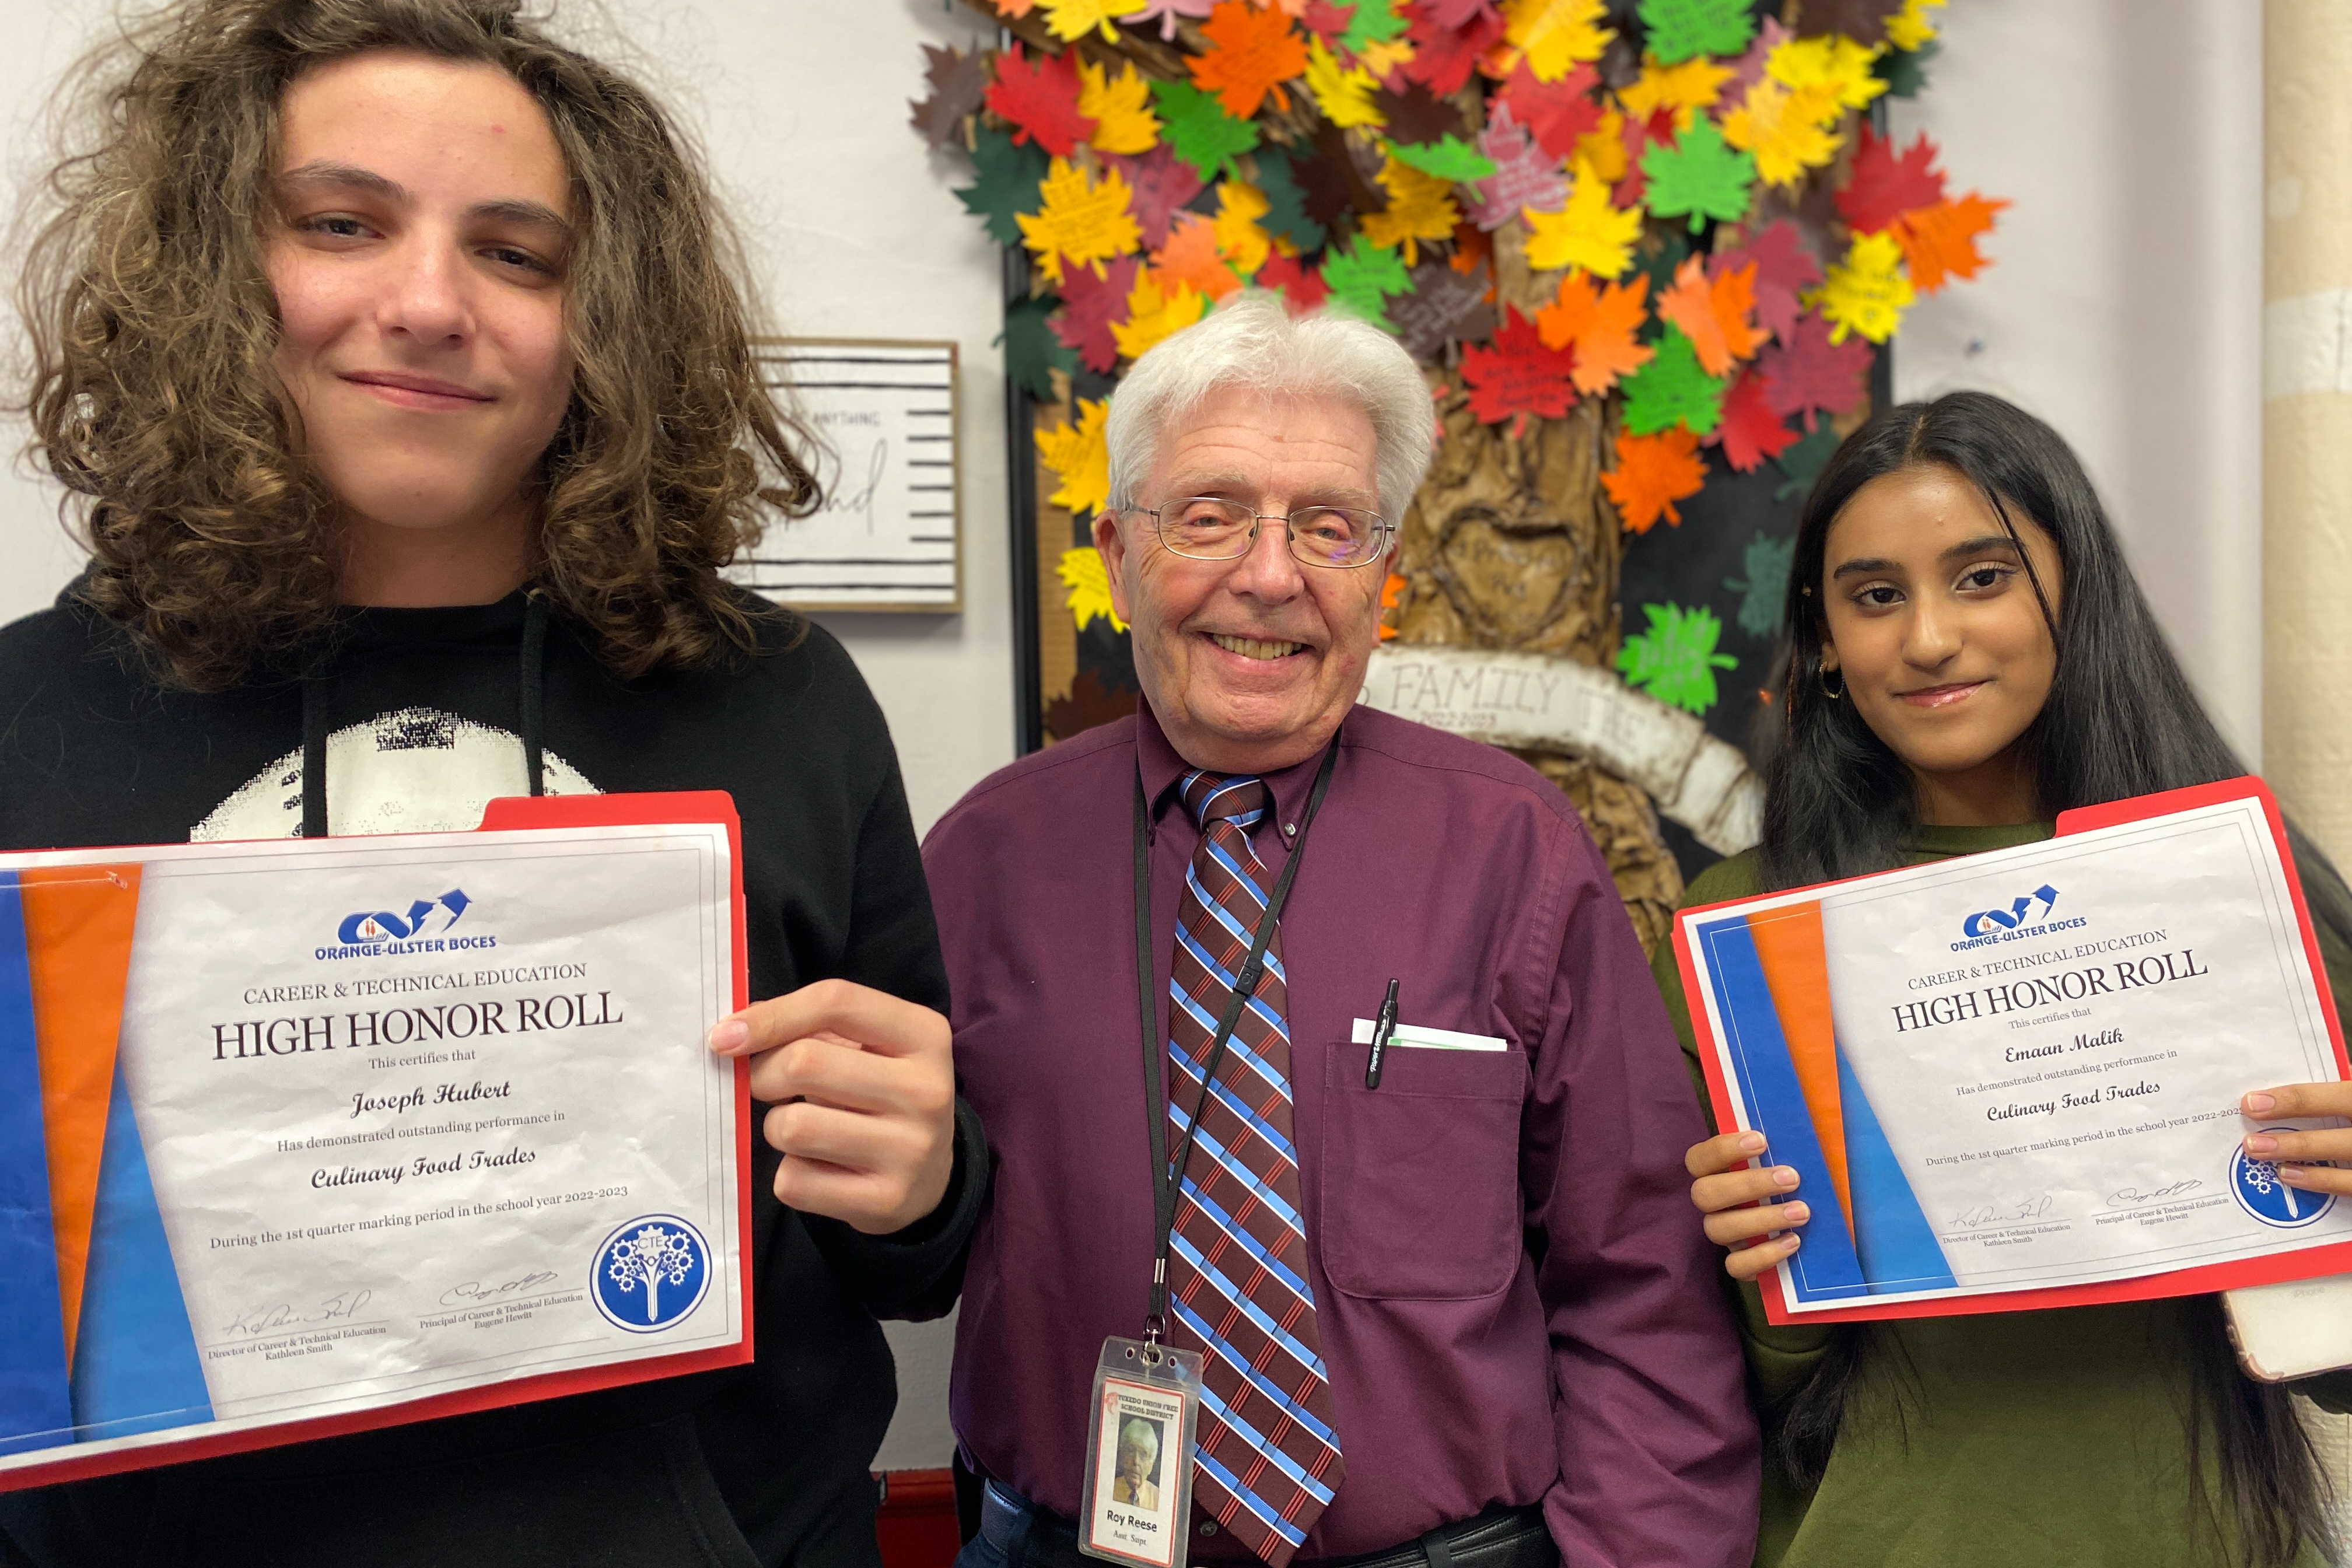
(1204, 527)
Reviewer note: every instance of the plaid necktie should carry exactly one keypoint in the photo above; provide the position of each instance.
(1268, 1460)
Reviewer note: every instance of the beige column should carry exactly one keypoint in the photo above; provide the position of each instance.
(2307, 415)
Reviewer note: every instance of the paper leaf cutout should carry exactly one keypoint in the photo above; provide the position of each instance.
(1444, 306)
(1191, 256)
(1373, 22)
(1251, 53)
(1838, 69)
(1302, 290)
(1556, 113)
(1159, 184)
(1286, 204)
(1091, 307)
(1442, 56)
(1079, 458)
(1202, 133)
(1940, 242)
(1518, 375)
(1672, 389)
(1362, 276)
(1013, 8)
(1779, 132)
(1086, 589)
(1155, 308)
(1680, 90)
(1419, 208)
(1804, 461)
(1905, 72)
(1681, 28)
(1864, 21)
(1448, 158)
(1749, 68)
(958, 80)
(1343, 94)
(1653, 472)
(1417, 115)
(1456, 15)
(1699, 176)
(1032, 352)
(1070, 20)
(1713, 315)
(1885, 185)
(1087, 222)
(1525, 175)
(1806, 372)
(1909, 29)
(1244, 243)
(1768, 562)
(1556, 35)
(1750, 432)
(1675, 660)
(1040, 100)
(1586, 233)
(1007, 185)
(1119, 107)
(1783, 267)
(1598, 322)
(1868, 291)
(1167, 12)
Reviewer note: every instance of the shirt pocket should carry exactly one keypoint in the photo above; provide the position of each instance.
(1419, 1177)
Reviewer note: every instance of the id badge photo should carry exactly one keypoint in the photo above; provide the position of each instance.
(1139, 1485)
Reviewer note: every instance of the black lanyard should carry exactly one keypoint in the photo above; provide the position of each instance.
(1167, 1180)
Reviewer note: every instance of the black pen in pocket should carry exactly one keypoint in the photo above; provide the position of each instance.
(1382, 1028)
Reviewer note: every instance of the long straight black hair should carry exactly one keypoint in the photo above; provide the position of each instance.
(2120, 721)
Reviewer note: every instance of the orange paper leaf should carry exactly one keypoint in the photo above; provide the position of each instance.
(1598, 321)
(1653, 472)
(1714, 315)
(1941, 240)
(1251, 53)
(1191, 256)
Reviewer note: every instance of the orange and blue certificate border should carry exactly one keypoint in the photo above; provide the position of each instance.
(95, 1339)
(1777, 1067)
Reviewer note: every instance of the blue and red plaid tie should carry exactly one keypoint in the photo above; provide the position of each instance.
(1269, 1459)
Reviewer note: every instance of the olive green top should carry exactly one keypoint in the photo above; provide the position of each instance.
(2011, 1438)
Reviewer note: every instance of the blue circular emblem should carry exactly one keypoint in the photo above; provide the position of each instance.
(2259, 1191)
(650, 1273)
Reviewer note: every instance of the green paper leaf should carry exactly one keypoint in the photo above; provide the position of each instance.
(1804, 461)
(1672, 390)
(1699, 175)
(1363, 278)
(1373, 22)
(1905, 72)
(1447, 158)
(1009, 178)
(1767, 561)
(1675, 661)
(1032, 352)
(1196, 124)
(1286, 202)
(1658, 266)
(1681, 28)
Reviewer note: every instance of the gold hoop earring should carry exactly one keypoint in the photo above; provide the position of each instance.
(1826, 673)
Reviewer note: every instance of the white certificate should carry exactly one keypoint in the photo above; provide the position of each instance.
(361, 1129)
(2021, 1070)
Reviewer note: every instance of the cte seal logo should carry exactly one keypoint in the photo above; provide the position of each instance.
(1990, 922)
(650, 1273)
(383, 925)
(2255, 1184)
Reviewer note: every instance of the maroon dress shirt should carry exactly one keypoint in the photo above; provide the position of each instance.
(1515, 1300)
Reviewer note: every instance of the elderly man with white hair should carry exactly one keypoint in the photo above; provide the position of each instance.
(1318, 1043)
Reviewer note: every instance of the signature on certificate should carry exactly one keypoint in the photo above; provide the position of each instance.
(2004, 1213)
(279, 1315)
(2132, 1197)
(474, 1290)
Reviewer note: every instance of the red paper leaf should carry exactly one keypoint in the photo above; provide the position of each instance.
(1518, 375)
(1524, 176)
(1442, 56)
(1326, 20)
(1806, 373)
(1456, 15)
(1091, 307)
(1559, 114)
(1750, 431)
(1783, 266)
(1158, 183)
(1041, 100)
(1885, 184)
(1302, 288)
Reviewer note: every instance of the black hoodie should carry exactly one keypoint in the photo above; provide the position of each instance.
(423, 715)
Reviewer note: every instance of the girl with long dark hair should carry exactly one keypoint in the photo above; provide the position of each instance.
(1970, 656)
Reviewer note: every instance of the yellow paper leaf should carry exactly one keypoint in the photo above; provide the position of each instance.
(1556, 35)
(1832, 62)
(1086, 587)
(1588, 232)
(1685, 88)
(1079, 458)
(1071, 20)
(1382, 59)
(1120, 107)
(1420, 207)
(1087, 223)
(1909, 27)
(1151, 315)
(1604, 147)
(1345, 96)
(1868, 291)
(1239, 241)
(1779, 129)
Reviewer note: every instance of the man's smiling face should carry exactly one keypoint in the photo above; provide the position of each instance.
(1250, 664)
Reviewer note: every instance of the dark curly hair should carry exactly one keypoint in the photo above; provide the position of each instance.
(151, 327)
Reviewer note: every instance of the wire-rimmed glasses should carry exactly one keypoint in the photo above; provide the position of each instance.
(1210, 528)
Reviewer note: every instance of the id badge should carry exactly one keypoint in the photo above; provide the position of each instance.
(1139, 1487)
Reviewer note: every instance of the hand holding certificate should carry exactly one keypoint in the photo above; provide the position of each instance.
(2015, 1079)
